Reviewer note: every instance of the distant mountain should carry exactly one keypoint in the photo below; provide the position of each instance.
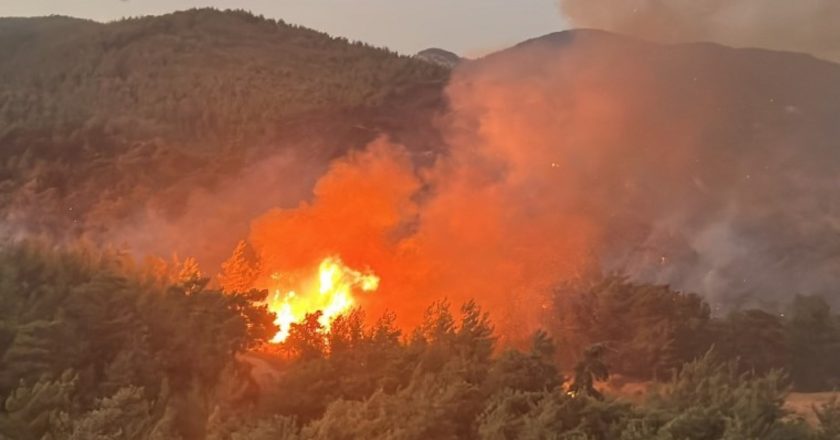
(440, 57)
(98, 121)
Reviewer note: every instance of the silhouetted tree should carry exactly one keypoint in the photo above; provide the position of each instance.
(815, 344)
(589, 369)
(306, 339)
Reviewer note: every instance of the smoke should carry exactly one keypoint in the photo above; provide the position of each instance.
(212, 220)
(459, 230)
(808, 26)
(701, 167)
(584, 151)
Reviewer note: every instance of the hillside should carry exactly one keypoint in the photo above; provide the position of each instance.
(97, 120)
(709, 168)
(705, 167)
(199, 76)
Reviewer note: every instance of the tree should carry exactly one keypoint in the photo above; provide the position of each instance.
(240, 271)
(756, 338)
(431, 407)
(814, 339)
(190, 278)
(438, 323)
(651, 329)
(533, 372)
(474, 336)
(306, 339)
(39, 410)
(125, 415)
(709, 399)
(588, 370)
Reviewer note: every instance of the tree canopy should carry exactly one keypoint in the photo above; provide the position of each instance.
(96, 346)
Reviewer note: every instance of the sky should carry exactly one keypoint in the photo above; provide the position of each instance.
(468, 27)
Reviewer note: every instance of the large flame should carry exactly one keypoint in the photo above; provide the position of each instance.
(332, 294)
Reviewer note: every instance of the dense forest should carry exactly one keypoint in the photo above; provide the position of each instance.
(96, 346)
(100, 121)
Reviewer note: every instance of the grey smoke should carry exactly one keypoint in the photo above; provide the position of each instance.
(710, 169)
(810, 26)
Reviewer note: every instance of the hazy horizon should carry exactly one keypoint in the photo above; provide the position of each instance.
(468, 27)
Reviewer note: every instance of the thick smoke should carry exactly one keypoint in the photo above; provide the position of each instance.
(698, 166)
(461, 230)
(701, 167)
(212, 220)
(809, 26)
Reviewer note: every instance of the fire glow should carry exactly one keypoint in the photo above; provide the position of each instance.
(332, 293)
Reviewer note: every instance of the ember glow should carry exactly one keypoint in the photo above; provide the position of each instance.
(331, 292)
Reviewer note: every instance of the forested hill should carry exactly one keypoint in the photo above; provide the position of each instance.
(96, 119)
(713, 169)
(200, 76)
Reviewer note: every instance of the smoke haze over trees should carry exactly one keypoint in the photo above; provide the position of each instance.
(124, 132)
(695, 165)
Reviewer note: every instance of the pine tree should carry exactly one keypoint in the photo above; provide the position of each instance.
(189, 270)
(240, 271)
(190, 278)
(588, 370)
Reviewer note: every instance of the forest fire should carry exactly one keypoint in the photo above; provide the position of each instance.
(331, 293)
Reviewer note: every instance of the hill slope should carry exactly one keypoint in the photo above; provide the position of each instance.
(710, 168)
(98, 121)
(706, 167)
(198, 76)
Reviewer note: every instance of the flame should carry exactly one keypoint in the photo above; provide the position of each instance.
(333, 296)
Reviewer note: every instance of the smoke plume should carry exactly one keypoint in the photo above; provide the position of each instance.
(460, 230)
(809, 26)
(585, 151)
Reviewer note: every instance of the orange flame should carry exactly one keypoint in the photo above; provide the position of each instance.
(332, 295)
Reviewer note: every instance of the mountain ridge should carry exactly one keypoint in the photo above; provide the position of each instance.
(100, 121)
(730, 151)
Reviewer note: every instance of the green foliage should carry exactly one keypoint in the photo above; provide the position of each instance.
(114, 340)
(100, 122)
(307, 339)
(431, 406)
(551, 415)
(353, 360)
(649, 330)
(814, 338)
(589, 369)
(755, 337)
(711, 399)
(36, 410)
(94, 348)
(125, 415)
(531, 372)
